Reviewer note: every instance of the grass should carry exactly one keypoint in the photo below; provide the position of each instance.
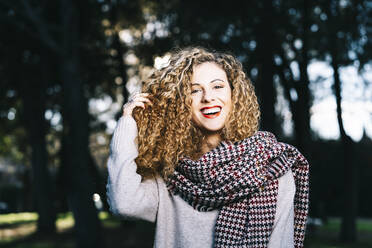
(18, 231)
(8, 219)
(327, 236)
(365, 225)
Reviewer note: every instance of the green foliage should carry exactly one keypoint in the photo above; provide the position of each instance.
(10, 147)
(16, 218)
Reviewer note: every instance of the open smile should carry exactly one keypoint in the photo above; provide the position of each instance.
(211, 112)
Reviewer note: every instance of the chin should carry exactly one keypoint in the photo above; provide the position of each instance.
(211, 129)
(209, 126)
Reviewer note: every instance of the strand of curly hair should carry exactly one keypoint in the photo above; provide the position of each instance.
(165, 129)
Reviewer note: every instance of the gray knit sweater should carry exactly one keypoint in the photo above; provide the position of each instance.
(178, 225)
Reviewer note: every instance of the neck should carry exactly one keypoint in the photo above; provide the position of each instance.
(211, 141)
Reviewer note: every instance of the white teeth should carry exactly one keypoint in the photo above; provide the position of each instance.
(211, 110)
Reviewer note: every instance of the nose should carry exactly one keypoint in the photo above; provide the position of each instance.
(208, 96)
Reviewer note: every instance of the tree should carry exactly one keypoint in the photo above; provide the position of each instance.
(18, 70)
(344, 30)
(61, 38)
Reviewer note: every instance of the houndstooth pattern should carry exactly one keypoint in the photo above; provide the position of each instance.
(240, 179)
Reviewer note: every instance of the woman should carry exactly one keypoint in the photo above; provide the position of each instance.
(187, 154)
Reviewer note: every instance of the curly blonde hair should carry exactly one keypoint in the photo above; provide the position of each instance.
(165, 129)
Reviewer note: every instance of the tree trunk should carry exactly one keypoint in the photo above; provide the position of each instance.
(348, 226)
(120, 52)
(302, 115)
(266, 90)
(35, 105)
(76, 133)
(348, 231)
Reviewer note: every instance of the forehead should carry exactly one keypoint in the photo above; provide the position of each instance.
(206, 72)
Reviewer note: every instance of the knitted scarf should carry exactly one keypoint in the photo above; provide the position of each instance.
(240, 179)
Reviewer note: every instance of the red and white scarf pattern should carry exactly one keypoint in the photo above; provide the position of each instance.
(240, 179)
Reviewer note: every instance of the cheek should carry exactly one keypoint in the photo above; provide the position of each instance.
(194, 116)
(193, 108)
(194, 105)
(228, 99)
(194, 112)
(229, 104)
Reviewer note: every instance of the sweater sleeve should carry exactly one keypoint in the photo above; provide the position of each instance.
(282, 235)
(127, 194)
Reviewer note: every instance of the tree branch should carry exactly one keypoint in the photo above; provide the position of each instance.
(28, 13)
(41, 27)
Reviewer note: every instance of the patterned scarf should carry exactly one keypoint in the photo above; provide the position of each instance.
(240, 179)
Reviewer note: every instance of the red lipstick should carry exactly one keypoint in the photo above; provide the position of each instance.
(211, 115)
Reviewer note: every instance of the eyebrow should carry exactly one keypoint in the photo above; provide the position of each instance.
(217, 79)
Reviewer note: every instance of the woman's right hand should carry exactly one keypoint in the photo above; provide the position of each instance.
(138, 100)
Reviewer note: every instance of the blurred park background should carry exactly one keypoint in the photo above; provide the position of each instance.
(68, 66)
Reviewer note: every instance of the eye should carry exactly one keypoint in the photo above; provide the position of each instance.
(218, 86)
(195, 91)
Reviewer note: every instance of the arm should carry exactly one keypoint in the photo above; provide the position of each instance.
(127, 194)
(283, 229)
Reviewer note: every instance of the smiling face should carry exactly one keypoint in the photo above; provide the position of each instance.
(211, 97)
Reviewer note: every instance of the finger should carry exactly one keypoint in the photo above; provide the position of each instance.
(142, 99)
(140, 95)
(128, 108)
(144, 94)
(133, 103)
(139, 104)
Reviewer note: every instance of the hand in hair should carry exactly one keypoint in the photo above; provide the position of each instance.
(138, 100)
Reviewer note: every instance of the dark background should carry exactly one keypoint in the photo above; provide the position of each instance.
(64, 66)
